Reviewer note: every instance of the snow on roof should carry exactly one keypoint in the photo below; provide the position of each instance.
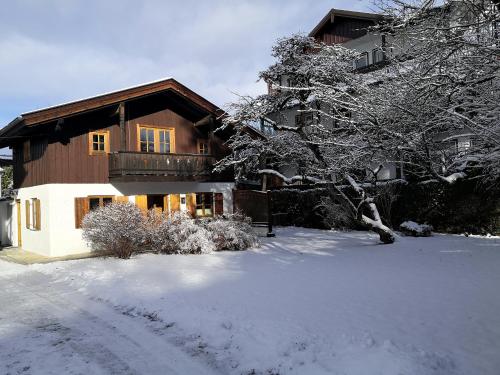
(98, 95)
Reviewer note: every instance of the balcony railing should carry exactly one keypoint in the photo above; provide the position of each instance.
(183, 166)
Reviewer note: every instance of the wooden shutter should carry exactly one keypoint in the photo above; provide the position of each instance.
(122, 199)
(82, 208)
(218, 204)
(165, 203)
(191, 204)
(175, 202)
(38, 215)
(28, 211)
(141, 201)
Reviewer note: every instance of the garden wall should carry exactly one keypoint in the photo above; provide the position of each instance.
(461, 207)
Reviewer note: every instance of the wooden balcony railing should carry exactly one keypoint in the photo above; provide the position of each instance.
(184, 166)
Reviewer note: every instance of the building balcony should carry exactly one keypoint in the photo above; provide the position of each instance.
(141, 166)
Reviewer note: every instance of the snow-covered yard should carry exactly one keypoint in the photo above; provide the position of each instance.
(305, 302)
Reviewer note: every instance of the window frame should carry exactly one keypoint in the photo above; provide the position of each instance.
(375, 53)
(105, 133)
(203, 204)
(203, 142)
(101, 199)
(156, 138)
(363, 56)
(33, 214)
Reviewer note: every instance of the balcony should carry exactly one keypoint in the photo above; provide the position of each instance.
(135, 166)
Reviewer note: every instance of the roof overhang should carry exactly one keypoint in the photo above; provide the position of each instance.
(42, 116)
(330, 18)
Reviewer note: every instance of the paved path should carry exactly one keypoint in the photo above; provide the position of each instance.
(46, 328)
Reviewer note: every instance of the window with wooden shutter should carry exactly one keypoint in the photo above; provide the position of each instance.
(191, 204)
(36, 214)
(82, 207)
(141, 201)
(33, 214)
(175, 202)
(28, 214)
(122, 199)
(218, 204)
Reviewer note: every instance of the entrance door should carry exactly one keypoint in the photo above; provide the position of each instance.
(19, 239)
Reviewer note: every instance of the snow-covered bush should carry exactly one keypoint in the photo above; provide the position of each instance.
(116, 229)
(410, 228)
(178, 234)
(232, 232)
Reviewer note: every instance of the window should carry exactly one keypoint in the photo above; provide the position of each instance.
(463, 145)
(362, 62)
(204, 203)
(377, 56)
(98, 142)
(164, 141)
(203, 147)
(156, 140)
(98, 201)
(304, 119)
(27, 151)
(147, 140)
(33, 214)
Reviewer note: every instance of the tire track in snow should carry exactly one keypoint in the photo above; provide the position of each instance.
(97, 333)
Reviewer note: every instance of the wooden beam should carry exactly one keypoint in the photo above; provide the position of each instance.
(123, 130)
(207, 120)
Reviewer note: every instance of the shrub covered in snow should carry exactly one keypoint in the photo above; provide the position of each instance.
(120, 229)
(178, 234)
(232, 232)
(117, 229)
(410, 228)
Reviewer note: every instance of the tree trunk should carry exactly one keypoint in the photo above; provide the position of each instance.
(374, 223)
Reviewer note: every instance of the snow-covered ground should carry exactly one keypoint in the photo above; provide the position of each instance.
(305, 302)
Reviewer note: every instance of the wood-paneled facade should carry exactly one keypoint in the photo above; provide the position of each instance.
(59, 148)
(340, 26)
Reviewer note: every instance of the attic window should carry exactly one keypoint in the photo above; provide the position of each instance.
(98, 142)
(203, 147)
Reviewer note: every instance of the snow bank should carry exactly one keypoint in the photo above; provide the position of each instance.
(412, 228)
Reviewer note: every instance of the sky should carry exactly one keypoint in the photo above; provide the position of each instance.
(55, 51)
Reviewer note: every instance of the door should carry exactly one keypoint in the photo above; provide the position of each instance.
(19, 238)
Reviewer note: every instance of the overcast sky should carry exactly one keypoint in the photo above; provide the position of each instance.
(54, 51)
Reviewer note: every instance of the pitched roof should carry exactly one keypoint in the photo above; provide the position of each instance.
(330, 17)
(69, 109)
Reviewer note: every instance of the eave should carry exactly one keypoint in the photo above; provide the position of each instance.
(330, 18)
(42, 116)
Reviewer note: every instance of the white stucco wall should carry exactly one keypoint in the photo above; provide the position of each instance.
(58, 235)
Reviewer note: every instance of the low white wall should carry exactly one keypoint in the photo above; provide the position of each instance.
(58, 235)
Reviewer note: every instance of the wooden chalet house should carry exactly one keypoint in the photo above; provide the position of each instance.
(152, 144)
